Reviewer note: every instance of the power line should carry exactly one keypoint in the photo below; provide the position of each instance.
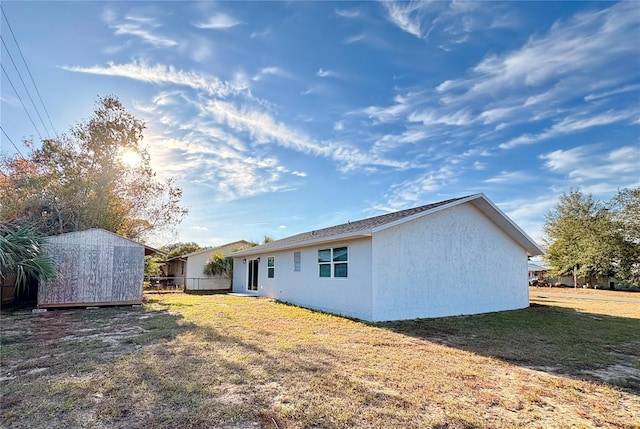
(28, 71)
(11, 141)
(21, 102)
(25, 86)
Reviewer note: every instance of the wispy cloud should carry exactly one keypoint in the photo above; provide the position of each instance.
(412, 192)
(269, 71)
(619, 165)
(510, 177)
(503, 90)
(348, 13)
(260, 34)
(162, 74)
(605, 94)
(325, 73)
(138, 26)
(219, 21)
(255, 121)
(199, 228)
(570, 125)
(591, 41)
(408, 16)
(433, 117)
(355, 38)
(528, 212)
(403, 104)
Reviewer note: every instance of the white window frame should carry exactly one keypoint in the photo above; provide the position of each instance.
(332, 262)
(271, 269)
(297, 261)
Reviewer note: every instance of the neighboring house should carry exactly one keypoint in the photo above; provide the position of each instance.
(601, 282)
(174, 269)
(542, 272)
(95, 267)
(536, 272)
(194, 277)
(460, 256)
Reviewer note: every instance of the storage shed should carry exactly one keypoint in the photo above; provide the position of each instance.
(95, 267)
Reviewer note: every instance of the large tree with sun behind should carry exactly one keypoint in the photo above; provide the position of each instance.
(98, 175)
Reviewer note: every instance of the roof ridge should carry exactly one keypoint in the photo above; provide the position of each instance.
(365, 224)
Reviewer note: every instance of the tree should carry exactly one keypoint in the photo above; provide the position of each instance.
(85, 179)
(625, 209)
(219, 265)
(152, 266)
(179, 249)
(580, 237)
(21, 255)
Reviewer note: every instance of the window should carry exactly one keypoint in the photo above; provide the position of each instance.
(333, 262)
(296, 261)
(271, 262)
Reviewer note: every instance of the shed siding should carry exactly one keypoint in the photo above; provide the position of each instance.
(94, 267)
(452, 262)
(349, 296)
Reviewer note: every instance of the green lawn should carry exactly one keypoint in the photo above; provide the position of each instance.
(185, 361)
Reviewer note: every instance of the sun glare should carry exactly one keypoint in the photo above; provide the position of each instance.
(130, 158)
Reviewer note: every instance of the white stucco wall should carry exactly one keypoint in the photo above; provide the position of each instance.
(452, 262)
(349, 296)
(195, 279)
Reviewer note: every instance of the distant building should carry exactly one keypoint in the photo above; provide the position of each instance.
(188, 270)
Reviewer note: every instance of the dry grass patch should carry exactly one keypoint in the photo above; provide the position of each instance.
(233, 362)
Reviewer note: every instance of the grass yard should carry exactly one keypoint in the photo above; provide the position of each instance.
(198, 361)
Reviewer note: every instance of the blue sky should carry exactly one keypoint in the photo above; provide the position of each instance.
(282, 117)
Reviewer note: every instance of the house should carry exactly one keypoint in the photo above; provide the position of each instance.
(537, 273)
(195, 279)
(174, 270)
(95, 267)
(459, 256)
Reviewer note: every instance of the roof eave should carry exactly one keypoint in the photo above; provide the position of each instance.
(482, 203)
(425, 213)
(300, 244)
(507, 225)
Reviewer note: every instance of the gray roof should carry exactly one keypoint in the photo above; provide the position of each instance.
(366, 227)
(536, 267)
(208, 249)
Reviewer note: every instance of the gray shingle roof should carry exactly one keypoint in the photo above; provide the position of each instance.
(355, 227)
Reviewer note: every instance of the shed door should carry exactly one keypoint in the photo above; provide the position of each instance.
(252, 282)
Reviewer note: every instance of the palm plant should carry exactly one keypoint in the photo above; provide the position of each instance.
(21, 255)
(219, 265)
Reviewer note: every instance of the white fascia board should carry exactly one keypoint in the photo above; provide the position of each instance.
(426, 213)
(301, 244)
(506, 224)
(482, 203)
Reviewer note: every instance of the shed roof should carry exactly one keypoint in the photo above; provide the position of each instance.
(148, 250)
(366, 227)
